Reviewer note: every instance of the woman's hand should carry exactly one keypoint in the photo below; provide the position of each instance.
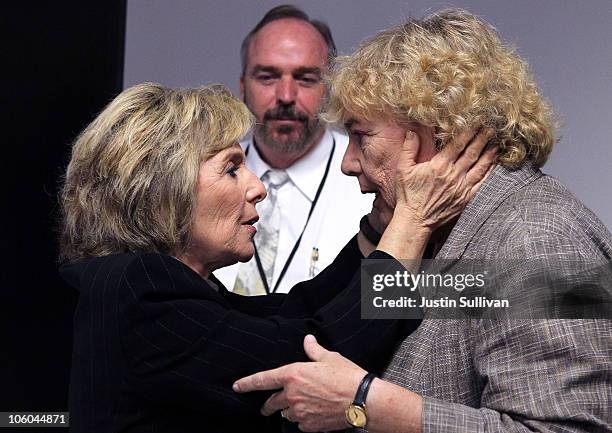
(432, 193)
(435, 191)
(314, 394)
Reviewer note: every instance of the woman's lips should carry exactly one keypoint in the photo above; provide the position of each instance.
(249, 225)
(378, 201)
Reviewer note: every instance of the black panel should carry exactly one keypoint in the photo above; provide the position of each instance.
(66, 64)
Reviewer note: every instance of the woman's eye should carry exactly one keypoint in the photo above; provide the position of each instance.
(358, 136)
(232, 170)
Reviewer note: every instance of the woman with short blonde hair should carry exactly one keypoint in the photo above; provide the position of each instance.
(131, 181)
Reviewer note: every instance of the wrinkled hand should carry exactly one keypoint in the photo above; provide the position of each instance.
(315, 394)
(434, 192)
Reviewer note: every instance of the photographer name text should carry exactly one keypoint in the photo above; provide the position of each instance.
(446, 302)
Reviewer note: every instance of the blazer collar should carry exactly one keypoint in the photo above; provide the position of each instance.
(501, 183)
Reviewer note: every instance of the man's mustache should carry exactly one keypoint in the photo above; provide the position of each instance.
(284, 113)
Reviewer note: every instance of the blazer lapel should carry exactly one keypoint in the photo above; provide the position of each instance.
(501, 183)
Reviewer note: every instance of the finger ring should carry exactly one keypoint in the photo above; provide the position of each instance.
(285, 413)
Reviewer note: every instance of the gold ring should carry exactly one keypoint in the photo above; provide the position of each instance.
(285, 413)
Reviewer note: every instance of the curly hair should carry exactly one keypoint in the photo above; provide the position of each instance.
(131, 181)
(449, 71)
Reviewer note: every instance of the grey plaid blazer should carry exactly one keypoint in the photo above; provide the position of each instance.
(515, 375)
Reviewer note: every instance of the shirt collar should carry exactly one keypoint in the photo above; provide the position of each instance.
(306, 174)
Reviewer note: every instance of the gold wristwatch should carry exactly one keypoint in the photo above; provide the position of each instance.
(356, 414)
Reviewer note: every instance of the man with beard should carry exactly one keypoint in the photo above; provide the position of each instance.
(312, 209)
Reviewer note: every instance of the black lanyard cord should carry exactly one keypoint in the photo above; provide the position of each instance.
(260, 268)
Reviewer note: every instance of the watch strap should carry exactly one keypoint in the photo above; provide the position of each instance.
(362, 390)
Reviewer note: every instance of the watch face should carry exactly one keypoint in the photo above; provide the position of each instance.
(356, 416)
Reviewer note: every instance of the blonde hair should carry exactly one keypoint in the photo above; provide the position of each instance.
(449, 71)
(131, 181)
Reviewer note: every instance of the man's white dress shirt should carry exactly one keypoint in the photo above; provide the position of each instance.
(334, 221)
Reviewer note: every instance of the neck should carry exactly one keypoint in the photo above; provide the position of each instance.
(197, 266)
(283, 160)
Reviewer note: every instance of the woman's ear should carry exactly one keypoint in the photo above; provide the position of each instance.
(428, 147)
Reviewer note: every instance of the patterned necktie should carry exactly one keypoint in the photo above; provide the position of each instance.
(249, 281)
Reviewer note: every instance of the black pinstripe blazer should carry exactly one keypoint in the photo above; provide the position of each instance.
(157, 348)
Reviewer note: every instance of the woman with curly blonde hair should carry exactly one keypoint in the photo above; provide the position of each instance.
(449, 72)
(432, 81)
(439, 77)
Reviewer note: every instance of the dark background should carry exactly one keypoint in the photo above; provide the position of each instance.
(65, 63)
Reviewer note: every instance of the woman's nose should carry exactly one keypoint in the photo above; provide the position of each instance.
(350, 162)
(257, 190)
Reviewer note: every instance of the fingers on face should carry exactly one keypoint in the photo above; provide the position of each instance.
(473, 151)
(467, 147)
(478, 172)
(410, 146)
(452, 150)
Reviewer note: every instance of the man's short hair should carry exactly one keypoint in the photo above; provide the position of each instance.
(283, 12)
